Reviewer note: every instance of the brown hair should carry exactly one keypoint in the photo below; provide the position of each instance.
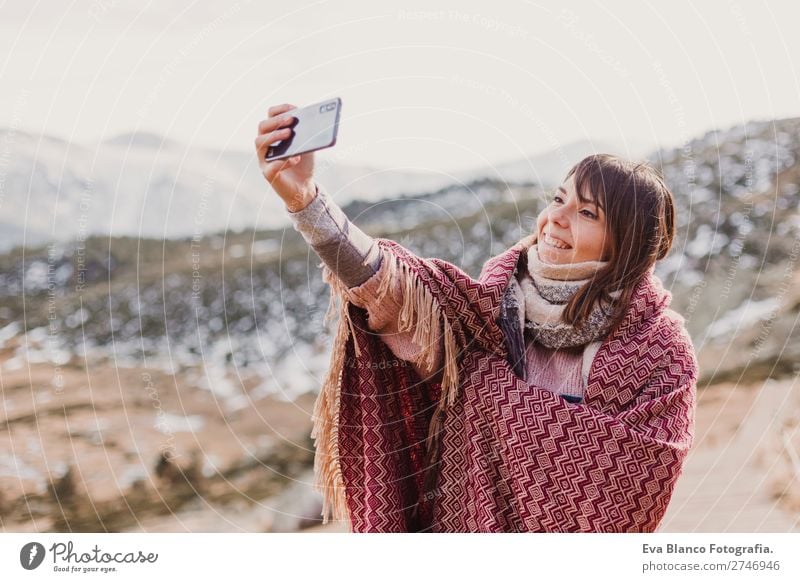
(640, 217)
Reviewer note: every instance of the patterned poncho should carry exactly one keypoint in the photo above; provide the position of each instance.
(476, 448)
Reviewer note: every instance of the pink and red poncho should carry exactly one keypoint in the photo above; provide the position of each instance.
(475, 448)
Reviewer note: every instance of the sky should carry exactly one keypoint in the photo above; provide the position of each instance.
(442, 86)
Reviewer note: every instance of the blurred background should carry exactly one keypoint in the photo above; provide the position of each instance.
(161, 326)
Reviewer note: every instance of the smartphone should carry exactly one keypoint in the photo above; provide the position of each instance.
(314, 128)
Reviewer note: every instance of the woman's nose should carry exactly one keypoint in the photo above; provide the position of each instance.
(559, 216)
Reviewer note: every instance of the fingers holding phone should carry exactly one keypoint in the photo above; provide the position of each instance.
(290, 177)
(314, 127)
(275, 129)
(286, 142)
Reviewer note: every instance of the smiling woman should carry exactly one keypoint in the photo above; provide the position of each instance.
(572, 229)
(613, 211)
(554, 393)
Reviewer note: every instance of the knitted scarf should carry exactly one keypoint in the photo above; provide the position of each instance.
(508, 455)
(543, 290)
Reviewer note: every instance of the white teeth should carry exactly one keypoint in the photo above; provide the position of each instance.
(556, 243)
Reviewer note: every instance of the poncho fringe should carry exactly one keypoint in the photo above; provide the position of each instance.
(420, 312)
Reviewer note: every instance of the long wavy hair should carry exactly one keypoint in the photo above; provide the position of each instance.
(640, 217)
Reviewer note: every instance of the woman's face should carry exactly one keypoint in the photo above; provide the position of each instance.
(579, 229)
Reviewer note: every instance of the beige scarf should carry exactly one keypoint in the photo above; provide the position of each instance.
(545, 289)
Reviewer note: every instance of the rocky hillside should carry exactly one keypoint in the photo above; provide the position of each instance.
(734, 270)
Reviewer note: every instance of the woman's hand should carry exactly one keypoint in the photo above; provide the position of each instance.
(292, 178)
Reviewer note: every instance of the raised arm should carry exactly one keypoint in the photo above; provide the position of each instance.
(356, 260)
(352, 256)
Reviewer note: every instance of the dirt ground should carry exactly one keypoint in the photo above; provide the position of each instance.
(743, 473)
(130, 449)
(107, 449)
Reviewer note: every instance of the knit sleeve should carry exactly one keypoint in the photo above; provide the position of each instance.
(350, 254)
(355, 260)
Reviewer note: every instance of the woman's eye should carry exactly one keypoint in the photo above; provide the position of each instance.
(557, 199)
(589, 213)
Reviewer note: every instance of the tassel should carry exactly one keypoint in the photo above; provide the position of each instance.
(328, 479)
(421, 312)
(339, 292)
(391, 274)
(450, 379)
(406, 319)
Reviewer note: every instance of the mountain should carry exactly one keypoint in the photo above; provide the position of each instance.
(257, 298)
(549, 168)
(143, 185)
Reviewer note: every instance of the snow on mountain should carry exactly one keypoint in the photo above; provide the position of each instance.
(549, 168)
(142, 185)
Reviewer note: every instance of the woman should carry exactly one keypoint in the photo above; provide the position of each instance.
(554, 393)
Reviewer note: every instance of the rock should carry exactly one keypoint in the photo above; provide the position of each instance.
(65, 488)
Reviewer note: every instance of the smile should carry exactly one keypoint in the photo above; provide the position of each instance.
(549, 240)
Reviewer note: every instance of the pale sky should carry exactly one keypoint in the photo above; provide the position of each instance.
(434, 85)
